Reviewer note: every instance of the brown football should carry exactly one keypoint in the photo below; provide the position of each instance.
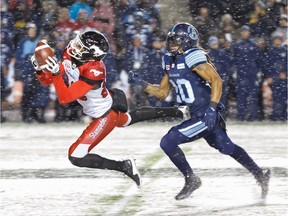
(42, 51)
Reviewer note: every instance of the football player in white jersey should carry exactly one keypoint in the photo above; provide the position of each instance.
(81, 75)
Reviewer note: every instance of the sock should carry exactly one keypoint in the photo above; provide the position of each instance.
(245, 160)
(177, 156)
(98, 162)
(148, 113)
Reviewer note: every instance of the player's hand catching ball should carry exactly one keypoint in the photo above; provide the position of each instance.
(136, 79)
(53, 66)
(35, 63)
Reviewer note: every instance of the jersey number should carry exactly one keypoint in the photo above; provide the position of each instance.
(184, 91)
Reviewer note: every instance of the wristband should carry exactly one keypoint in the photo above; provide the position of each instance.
(213, 104)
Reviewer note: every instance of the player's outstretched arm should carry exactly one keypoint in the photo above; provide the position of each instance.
(160, 91)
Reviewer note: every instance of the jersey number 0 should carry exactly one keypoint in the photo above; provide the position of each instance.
(184, 91)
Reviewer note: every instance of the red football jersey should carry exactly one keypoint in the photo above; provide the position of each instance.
(85, 83)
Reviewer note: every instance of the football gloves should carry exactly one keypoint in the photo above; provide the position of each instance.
(137, 79)
(210, 118)
(35, 63)
(53, 66)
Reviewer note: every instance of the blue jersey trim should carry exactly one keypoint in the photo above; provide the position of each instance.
(194, 129)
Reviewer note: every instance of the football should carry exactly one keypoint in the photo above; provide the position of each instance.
(42, 52)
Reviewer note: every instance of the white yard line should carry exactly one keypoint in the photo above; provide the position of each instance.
(118, 206)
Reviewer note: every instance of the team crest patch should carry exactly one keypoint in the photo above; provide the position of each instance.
(67, 65)
(167, 67)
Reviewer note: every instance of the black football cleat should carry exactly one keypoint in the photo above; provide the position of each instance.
(263, 179)
(131, 171)
(192, 183)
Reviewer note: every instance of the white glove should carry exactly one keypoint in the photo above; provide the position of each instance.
(35, 63)
(52, 66)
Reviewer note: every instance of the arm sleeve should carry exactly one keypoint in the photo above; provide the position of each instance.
(73, 92)
(44, 78)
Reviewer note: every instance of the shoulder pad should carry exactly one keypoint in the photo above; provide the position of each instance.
(93, 70)
(194, 57)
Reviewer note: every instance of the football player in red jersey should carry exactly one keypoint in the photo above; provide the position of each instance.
(80, 75)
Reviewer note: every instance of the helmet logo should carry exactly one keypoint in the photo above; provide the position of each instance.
(192, 33)
(96, 50)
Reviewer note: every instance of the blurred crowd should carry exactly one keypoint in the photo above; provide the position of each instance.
(246, 40)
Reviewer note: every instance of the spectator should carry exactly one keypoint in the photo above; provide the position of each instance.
(283, 26)
(79, 5)
(136, 59)
(33, 96)
(155, 72)
(222, 61)
(263, 46)
(7, 50)
(228, 28)
(277, 77)
(104, 19)
(205, 26)
(82, 22)
(139, 26)
(149, 7)
(246, 57)
(261, 24)
(65, 3)
(274, 9)
(49, 15)
(23, 13)
(64, 24)
(122, 9)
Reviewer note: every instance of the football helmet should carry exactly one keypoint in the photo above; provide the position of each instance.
(89, 45)
(183, 35)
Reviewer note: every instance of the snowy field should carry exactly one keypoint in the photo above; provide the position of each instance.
(37, 178)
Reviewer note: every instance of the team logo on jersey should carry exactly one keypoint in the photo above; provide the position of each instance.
(180, 66)
(167, 67)
(96, 72)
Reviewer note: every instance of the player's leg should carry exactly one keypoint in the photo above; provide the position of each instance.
(97, 130)
(148, 113)
(186, 132)
(145, 113)
(220, 140)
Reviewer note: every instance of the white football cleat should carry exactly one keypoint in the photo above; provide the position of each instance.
(185, 111)
(131, 171)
